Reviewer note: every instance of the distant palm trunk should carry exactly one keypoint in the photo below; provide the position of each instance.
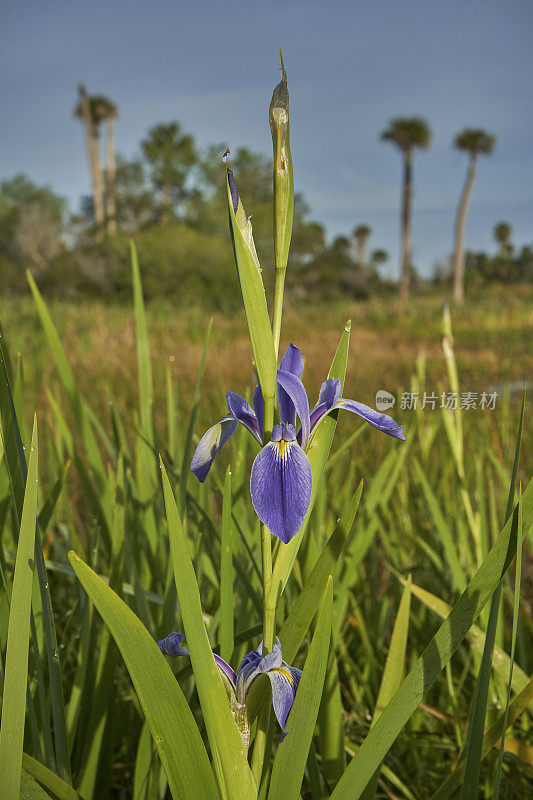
(459, 256)
(99, 213)
(93, 154)
(111, 207)
(406, 229)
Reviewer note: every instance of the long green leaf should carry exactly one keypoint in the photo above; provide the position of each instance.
(171, 722)
(16, 468)
(443, 528)
(254, 299)
(500, 660)
(292, 753)
(227, 747)
(51, 781)
(77, 402)
(144, 364)
(187, 450)
(146, 456)
(331, 723)
(103, 691)
(297, 623)
(18, 637)
(433, 660)
(30, 789)
(490, 739)
(469, 788)
(516, 606)
(226, 574)
(394, 670)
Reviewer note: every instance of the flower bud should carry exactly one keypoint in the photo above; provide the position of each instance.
(278, 117)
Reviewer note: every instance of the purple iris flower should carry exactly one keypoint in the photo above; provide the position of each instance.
(281, 478)
(283, 678)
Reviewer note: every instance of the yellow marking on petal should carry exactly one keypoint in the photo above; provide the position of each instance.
(282, 446)
(286, 674)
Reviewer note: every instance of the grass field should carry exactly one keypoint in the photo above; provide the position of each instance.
(492, 340)
(431, 509)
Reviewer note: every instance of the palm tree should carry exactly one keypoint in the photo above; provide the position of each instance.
(475, 142)
(171, 155)
(407, 133)
(502, 233)
(111, 170)
(83, 111)
(361, 234)
(93, 110)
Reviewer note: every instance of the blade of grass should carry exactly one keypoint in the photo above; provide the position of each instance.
(475, 732)
(490, 739)
(433, 660)
(76, 400)
(297, 623)
(49, 779)
(331, 723)
(187, 450)
(291, 756)
(104, 688)
(18, 638)
(516, 605)
(144, 364)
(15, 463)
(30, 789)
(15, 466)
(393, 672)
(500, 660)
(443, 529)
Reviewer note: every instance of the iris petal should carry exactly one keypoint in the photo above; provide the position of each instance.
(292, 362)
(244, 413)
(380, 421)
(210, 444)
(246, 673)
(271, 660)
(284, 681)
(259, 407)
(280, 486)
(225, 669)
(330, 391)
(170, 645)
(296, 391)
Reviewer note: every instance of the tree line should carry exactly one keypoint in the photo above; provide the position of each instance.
(171, 199)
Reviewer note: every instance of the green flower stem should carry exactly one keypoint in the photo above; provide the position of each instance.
(269, 616)
(278, 306)
(268, 415)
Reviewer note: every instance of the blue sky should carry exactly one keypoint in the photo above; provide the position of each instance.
(352, 66)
